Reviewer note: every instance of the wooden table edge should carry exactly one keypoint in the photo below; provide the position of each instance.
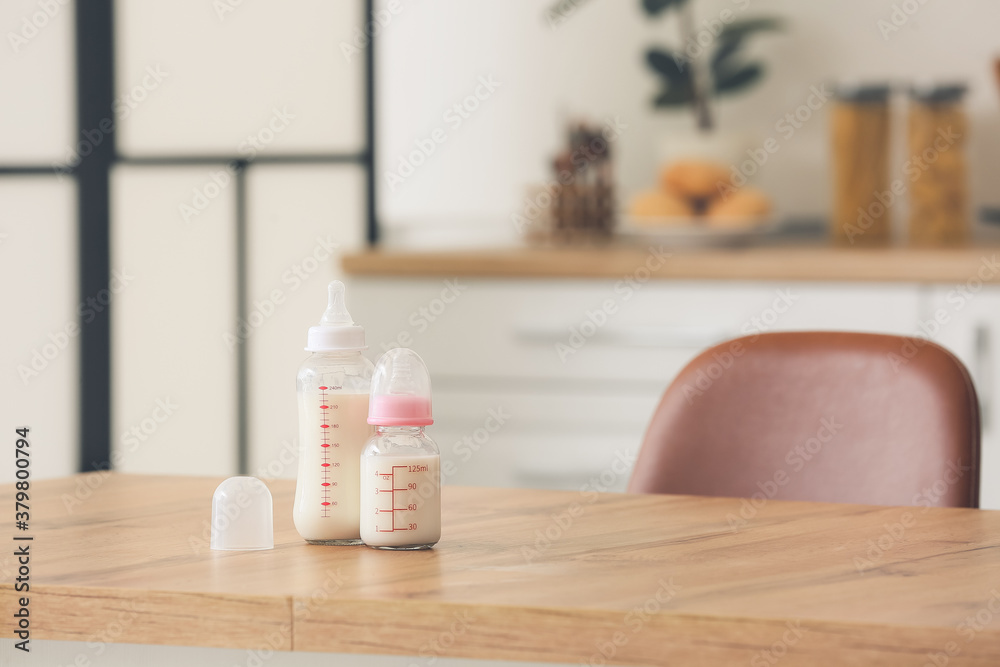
(464, 630)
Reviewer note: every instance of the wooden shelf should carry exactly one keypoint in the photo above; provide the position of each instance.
(614, 262)
(519, 575)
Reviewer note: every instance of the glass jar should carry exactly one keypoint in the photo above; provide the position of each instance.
(862, 195)
(936, 167)
(401, 489)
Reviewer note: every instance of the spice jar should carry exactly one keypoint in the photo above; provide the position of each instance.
(862, 197)
(936, 166)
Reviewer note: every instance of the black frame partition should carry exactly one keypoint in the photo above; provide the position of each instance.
(95, 92)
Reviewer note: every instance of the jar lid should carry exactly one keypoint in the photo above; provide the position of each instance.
(863, 93)
(941, 93)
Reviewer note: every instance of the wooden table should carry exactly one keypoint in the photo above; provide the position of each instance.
(524, 575)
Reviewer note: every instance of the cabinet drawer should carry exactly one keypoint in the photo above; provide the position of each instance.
(602, 330)
(557, 439)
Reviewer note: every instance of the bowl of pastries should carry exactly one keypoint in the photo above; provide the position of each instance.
(695, 199)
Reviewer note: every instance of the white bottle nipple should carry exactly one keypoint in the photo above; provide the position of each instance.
(336, 310)
(336, 330)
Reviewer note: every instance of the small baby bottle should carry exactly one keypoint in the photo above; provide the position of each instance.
(400, 466)
(333, 386)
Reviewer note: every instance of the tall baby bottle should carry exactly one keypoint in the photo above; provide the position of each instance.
(333, 386)
(400, 466)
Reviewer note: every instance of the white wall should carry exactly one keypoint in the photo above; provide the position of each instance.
(193, 78)
(36, 62)
(592, 65)
(250, 80)
(39, 336)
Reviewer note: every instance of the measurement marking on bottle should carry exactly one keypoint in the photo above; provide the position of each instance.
(391, 491)
(324, 406)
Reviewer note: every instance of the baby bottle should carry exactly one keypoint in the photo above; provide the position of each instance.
(400, 466)
(333, 388)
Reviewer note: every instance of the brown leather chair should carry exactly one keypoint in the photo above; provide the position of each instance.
(838, 417)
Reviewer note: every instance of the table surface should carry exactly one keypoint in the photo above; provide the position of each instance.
(523, 575)
(805, 263)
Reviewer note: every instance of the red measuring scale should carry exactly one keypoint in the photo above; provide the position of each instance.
(328, 440)
(392, 489)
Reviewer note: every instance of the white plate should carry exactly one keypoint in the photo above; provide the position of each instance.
(692, 231)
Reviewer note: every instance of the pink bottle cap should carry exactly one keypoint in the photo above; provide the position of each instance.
(401, 390)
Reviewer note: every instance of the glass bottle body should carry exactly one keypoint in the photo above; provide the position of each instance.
(333, 392)
(400, 489)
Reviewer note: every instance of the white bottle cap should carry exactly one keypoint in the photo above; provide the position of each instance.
(242, 516)
(336, 331)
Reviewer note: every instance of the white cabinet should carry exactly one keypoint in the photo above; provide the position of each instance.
(970, 316)
(578, 366)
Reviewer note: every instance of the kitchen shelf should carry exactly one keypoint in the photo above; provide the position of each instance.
(808, 263)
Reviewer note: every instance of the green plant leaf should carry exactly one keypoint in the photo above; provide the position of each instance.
(676, 79)
(666, 64)
(734, 80)
(674, 97)
(729, 73)
(740, 29)
(655, 7)
(724, 52)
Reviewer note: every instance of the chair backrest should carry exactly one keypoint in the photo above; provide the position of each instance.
(838, 417)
